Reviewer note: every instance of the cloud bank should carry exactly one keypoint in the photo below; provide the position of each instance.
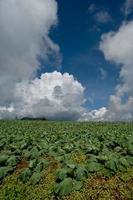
(94, 115)
(24, 36)
(54, 95)
(118, 48)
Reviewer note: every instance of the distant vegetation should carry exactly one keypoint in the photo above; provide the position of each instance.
(33, 118)
(42, 160)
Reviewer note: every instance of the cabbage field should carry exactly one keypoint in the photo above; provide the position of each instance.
(41, 160)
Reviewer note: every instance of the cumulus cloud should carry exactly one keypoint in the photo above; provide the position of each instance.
(53, 95)
(24, 36)
(94, 115)
(117, 47)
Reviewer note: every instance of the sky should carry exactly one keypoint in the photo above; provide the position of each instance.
(66, 60)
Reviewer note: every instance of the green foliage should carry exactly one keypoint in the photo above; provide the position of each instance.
(34, 153)
(65, 187)
(32, 164)
(26, 153)
(25, 175)
(3, 159)
(69, 153)
(61, 174)
(77, 185)
(35, 178)
(42, 164)
(112, 164)
(12, 161)
(130, 148)
(4, 171)
(81, 173)
(93, 167)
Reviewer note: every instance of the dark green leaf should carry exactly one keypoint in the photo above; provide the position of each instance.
(64, 188)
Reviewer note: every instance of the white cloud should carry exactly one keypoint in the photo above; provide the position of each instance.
(6, 112)
(54, 96)
(24, 35)
(102, 17)
(94, 115)
(128, 7)
(118, 47)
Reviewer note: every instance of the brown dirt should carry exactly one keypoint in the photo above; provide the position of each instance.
(23, 164)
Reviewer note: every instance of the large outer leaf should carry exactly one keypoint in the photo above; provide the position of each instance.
(3, 159)
(61, 174)
(130, 160)
(124, 162)
(4, 171)
(80, 173)
(34, 153)
(12, 161)
(93, 167)
(65, 187)
(112, 164)
(130, 148)
(25, 174)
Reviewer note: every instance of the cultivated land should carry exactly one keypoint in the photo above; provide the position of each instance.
(65, 160)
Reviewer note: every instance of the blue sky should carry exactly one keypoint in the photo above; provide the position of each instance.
(55, 54)
(78, 34)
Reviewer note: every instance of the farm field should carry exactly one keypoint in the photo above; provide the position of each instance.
(41, 160)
